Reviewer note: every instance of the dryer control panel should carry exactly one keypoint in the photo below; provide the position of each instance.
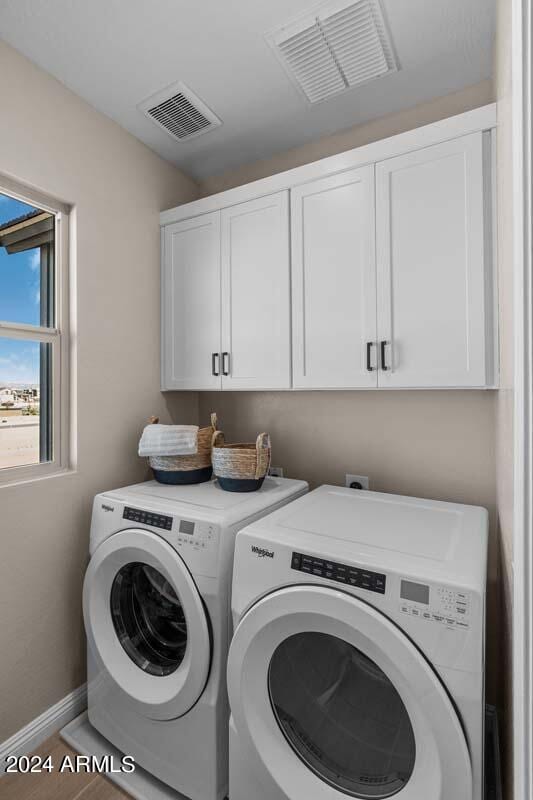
(342, 573)
(439, 604)
(147, 518)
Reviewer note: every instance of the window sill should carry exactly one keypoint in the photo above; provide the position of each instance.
(33, 474)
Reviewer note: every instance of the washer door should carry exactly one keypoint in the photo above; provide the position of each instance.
(331, 700)
(146, 623)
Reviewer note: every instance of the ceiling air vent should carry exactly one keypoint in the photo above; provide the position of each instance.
(341, 45)
(179, 112)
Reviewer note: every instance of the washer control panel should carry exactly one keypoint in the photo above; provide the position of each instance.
(147, 518)
(342, 573)
(194, 535)
(441, 605)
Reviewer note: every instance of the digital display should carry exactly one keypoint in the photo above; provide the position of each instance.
(416, 592)
(186, 526)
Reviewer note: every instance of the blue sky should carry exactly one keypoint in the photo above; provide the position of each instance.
(19, 361)
(19, 302)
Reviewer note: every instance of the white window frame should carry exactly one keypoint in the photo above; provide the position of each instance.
(58, 337)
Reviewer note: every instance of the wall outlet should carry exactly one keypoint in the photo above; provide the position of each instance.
(362, 479)
(276, 472)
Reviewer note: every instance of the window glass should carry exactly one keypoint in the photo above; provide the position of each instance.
(26, 263)
(24, 440)
(341, 715)
(20, 299)
(10, 208)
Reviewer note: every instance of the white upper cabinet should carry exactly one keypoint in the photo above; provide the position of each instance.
(191, 304)
(256, 347)
(434, 278)
(226, 298)
(380, 277)
(334, 282)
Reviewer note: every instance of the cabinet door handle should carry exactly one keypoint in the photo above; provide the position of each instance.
(215, 368)
(225, 363)
(382, 346)
(369, 346)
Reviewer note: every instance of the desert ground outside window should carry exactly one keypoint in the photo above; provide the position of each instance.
(34, 335)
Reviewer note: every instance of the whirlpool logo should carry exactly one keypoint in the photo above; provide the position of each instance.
(107, 508)
(262, 552)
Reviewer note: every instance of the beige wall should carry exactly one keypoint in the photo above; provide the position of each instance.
(472, 97)
(427, 443)
(504, 409)
(53, 140)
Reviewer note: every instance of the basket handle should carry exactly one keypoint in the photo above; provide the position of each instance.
(153, 420)
(214, 421)
(217, 439)
(262, 443)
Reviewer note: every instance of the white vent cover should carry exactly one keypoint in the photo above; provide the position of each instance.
(341, 45)
(179, 112)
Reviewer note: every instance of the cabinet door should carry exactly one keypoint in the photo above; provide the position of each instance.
(333, 281)
(256, 294)
(431, 266)
(191, 303)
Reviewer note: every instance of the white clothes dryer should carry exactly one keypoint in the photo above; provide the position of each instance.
(156, 605)
(356, 667)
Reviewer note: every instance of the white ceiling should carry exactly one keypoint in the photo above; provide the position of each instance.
(115, 53)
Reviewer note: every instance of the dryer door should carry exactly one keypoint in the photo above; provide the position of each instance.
(146, 623)
(331, 700)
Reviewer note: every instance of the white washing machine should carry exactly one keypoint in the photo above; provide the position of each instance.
(356, 666)
(156, 605)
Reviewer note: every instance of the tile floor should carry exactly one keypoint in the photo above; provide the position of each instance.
(58, 785)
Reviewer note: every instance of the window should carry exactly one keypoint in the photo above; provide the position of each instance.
(33, 335)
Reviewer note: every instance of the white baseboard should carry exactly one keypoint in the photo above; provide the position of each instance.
(48, 723)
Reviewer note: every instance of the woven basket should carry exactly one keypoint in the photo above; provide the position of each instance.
(241, 467)
(194, 468)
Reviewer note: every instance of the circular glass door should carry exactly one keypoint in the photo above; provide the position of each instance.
(148, 618)
(341, 715)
